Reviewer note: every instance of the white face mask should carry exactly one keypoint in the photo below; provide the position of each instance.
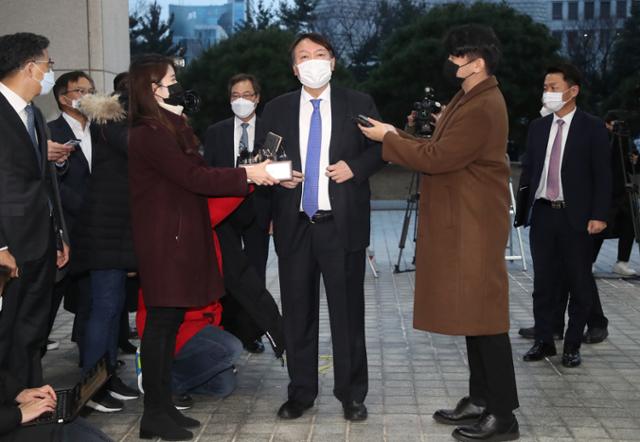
(47, 82)
(314, 74)
(242, 107)
(171, 108)
(544, 111)
(553, 101)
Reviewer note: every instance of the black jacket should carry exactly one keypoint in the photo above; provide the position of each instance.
(350, 201)
(74, 182)
(10, 416)
(219, 152)
(585, 169)
(25, 188)
(102, 236)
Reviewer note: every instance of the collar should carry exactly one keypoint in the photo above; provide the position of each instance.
(306, 97)
(479, 88)
(171, 108)
(237, 122)
(15, 100)
(73, 123)
(567, 118)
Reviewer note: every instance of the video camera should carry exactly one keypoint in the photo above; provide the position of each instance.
(424, 112)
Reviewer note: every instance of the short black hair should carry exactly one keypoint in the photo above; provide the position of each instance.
(474, 40)
(570, 73)
(18, 49)
(613, 115)
(244, 77)
(314, 37)
(62, 83)
(120, 82)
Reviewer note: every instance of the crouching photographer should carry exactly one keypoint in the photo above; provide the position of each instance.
(464, 225)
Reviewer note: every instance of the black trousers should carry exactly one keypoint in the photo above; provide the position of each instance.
(596, 318)
(320, 252)
(24, 319)
(255, 242)
(157, 351)
(492, 380)
(560, 253)
(80, 288)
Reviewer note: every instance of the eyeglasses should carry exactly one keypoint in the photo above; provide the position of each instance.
(80, 90)
(50, 62)
(246, 96)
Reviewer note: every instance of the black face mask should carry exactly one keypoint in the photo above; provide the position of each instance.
(176, 95)
(450, 72)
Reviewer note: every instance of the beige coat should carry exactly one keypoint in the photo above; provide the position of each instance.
(461, 276)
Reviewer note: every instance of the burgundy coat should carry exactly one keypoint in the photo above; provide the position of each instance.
(170, 217)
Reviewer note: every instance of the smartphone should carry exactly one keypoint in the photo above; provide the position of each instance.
(362, 120)
(73, 143)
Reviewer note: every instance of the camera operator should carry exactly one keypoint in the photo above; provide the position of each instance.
(621, 219)
(463, 227)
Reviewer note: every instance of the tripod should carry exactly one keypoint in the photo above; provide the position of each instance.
(411, 209)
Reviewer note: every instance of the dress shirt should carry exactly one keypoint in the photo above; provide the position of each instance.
(237, 133)
(542, 187)
(306, 110)
(82, 134)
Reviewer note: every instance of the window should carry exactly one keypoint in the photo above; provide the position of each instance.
(556, 11)
(589, 10)
(573, 10)
(621, 9)
(605, 9)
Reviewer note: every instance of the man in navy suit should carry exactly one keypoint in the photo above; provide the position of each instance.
(225, 141)
(568, 174)
(74, 181)
(31, 218)
(321, 222)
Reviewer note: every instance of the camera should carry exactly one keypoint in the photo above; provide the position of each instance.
(191, 101)
(424, 112)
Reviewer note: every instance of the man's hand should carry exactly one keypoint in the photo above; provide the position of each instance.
(378, 130)
(594, 226)
(339, 172)
(63, 256)
(411, 119)
(32, 394)
(58, 152)
(7, 260)
(298, 177)
(34, 409)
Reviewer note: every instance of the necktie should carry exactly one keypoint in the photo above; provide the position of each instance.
(31, 128)
(244, 138)
(553, 174)
(312, 164)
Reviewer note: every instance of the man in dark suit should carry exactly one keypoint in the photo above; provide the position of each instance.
(74, 182)
(225, 141)
(29, 206)
(567, 171)
(321, 223)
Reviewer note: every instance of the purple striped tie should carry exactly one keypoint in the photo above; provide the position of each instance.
(553, 175)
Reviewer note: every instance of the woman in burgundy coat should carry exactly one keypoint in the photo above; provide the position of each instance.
(169, 184)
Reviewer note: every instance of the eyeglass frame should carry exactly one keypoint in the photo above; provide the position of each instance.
(246, 96)
(49, 62)
(81, 91)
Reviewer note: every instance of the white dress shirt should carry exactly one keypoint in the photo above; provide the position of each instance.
(237, 133)
(542, 187)
(84, 135)
(18, 104)
(306, 110)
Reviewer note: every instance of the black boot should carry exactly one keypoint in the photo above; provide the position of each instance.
(181, 419)
(162, 426)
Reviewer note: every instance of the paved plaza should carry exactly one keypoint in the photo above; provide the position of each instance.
(411, 373)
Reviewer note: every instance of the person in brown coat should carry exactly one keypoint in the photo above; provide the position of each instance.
(169, 184)
(461, 276)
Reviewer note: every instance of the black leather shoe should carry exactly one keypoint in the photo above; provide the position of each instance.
(539, 351)
(595, 335)
(530, 333)
(255, 347)
(292, 409)
(354, 411)
(465, 413)
(489, 428)
(571, 357)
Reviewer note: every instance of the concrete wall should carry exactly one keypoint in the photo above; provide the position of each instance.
(89, 35)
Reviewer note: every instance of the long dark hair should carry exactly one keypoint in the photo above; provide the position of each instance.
(143, 107)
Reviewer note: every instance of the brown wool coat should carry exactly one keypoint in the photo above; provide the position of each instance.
(171, 227)
(461, 276)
